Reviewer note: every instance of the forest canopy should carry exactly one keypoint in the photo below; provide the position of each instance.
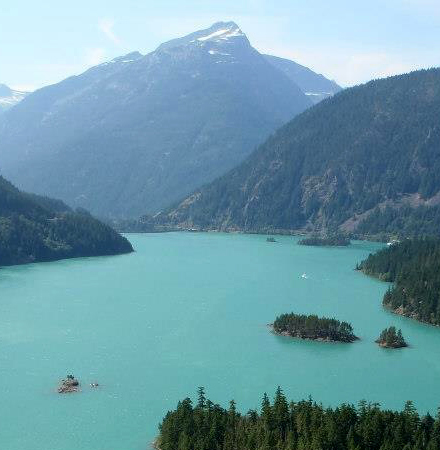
(313, 327)
(303, 425)
(413, 266)
(35, 228)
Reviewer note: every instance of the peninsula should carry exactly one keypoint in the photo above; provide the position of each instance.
(413, 266)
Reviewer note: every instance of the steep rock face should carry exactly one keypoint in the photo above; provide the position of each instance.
(370, 145)
(139, 132)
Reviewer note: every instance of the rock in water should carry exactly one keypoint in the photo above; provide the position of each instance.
(70, 384)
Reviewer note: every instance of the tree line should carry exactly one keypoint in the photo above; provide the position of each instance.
(303, 425)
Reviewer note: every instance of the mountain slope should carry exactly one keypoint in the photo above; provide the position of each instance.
(140, 132)
(10, 97)
(34, 228)
(314, 85)
(369, 146)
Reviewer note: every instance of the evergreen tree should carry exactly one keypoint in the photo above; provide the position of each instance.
(202, 398)
(307, 426)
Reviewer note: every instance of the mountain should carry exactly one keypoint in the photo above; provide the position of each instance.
(34, 228)
(9, 97)
(137, 133)
(368, 148)
(314, 85)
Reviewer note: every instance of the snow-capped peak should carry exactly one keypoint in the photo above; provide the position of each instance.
(222, 34)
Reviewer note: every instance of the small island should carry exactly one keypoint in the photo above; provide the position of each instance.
(69, 385)
(390, 338)
(270, 239)
(329, 240)
(314, 328)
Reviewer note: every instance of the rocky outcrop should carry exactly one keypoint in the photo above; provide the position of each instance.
(69, 385)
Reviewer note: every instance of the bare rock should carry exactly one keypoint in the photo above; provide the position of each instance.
(70, 384)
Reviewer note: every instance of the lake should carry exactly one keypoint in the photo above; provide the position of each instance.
(188, 310)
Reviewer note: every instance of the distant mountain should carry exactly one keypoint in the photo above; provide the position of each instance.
(314, 85)
(367, 149)
(139, 132)
(34, 228)
(9, 97)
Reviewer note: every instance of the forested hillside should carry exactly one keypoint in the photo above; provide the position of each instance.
(303, 425)
(413, 265)
(404, 221)
(368, 147)
(34, 228)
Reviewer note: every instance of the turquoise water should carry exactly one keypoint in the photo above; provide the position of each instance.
(187, 310)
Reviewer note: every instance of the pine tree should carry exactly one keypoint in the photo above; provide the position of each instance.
(202, 398)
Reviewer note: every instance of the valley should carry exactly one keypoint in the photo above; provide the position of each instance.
(249, 207)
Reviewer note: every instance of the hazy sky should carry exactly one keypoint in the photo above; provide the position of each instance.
(351, 41)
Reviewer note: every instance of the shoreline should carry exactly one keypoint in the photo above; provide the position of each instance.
(278, 232)
(263, 231)
(390, 347)
(401, 312)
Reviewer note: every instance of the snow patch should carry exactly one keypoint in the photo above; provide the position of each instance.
(14, 98)
(222, 34)
(216, 52)
(318, 93)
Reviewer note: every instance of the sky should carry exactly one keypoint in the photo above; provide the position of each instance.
(351, 42)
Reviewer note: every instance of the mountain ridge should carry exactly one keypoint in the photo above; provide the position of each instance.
(314, 85)
(141, 131)
(373, 144)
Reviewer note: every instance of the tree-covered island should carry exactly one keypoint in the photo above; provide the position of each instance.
(328, 240)
(391, 338)
(314, 328)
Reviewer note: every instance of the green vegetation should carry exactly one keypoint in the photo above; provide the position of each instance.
(34, 228)
(413, 265)
(368, 145)
(303, 425)
(391, 338)
(313, 327)
(402, 222)
(334, 239)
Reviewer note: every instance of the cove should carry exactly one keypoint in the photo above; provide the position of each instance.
(190, 309)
